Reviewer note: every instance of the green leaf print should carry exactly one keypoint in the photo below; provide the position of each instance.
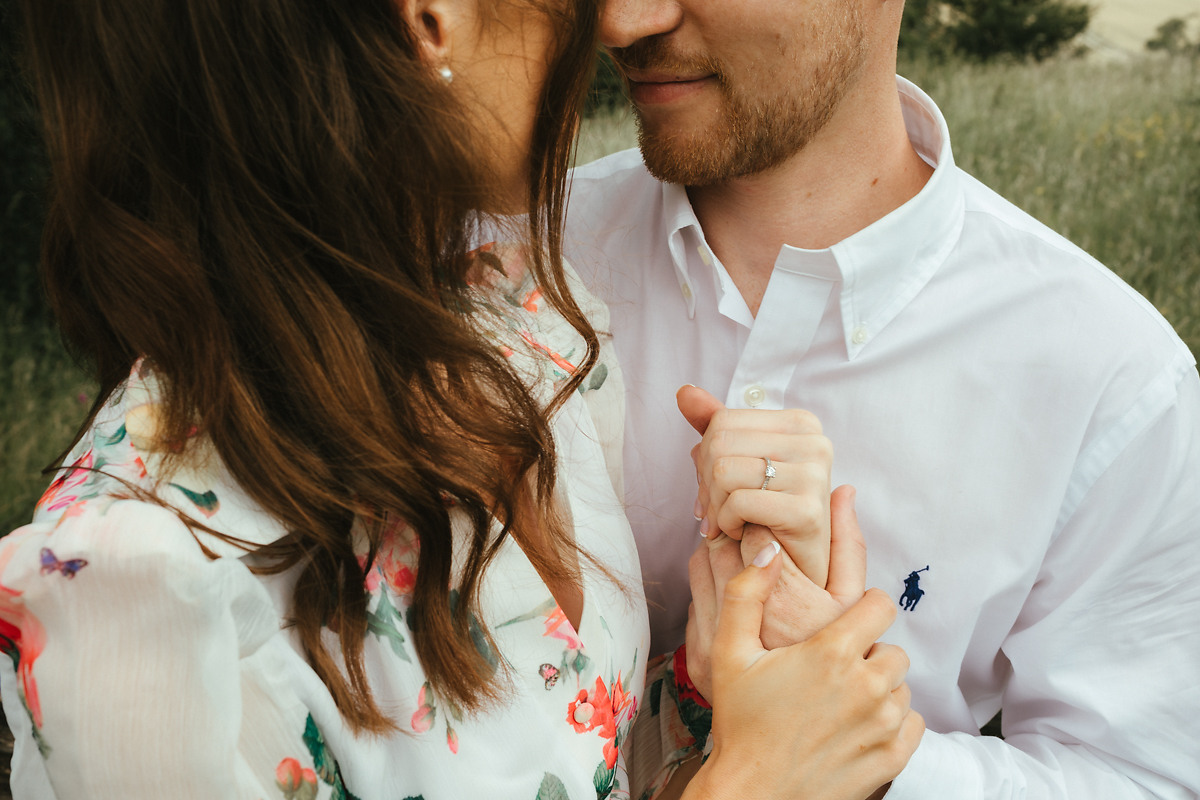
(477, 637)
(537, 613)
(323, 762)
(116, 438)
(605, 780)
(385, 622)
(206, 502)
(598, 377)
(552, 788)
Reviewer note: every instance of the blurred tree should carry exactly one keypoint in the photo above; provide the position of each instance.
(986, 29)
(989, 29)
(1172, 38)
(923, 31)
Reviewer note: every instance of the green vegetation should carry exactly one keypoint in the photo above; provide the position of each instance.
(985, 30)
(43, 398)
(1108, 154)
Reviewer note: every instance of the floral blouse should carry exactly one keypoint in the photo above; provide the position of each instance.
(138, 667)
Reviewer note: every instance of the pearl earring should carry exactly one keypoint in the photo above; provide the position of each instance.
(446, 74)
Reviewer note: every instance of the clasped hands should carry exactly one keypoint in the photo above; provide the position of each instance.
(788, 654)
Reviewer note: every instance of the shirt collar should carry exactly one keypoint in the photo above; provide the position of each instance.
(880, 268)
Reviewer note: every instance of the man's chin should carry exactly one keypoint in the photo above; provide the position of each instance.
(683, 159)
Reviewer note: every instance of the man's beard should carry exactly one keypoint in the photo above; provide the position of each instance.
(751, 134)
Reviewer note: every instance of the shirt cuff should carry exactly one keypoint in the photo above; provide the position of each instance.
(940, 767)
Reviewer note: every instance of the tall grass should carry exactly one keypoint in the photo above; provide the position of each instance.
(1108, 154)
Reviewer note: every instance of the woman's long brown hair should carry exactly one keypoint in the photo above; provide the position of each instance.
(272, 202)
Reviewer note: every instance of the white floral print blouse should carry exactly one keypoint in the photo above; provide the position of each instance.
(140, 668)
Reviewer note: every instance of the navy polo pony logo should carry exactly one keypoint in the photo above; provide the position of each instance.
(912, 590)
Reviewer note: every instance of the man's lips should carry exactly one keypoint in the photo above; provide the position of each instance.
(653, 88)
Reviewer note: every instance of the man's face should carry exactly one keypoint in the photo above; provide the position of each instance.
(728, 88)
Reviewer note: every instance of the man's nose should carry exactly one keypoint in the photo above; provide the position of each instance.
(624, 22)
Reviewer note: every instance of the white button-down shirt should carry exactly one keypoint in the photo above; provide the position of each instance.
(1024, 433)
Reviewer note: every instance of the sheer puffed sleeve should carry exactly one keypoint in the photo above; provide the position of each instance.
(124, 644)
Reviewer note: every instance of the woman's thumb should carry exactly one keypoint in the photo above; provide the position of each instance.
(737, 643)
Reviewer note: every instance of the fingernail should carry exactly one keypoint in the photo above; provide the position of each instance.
(704, 526)
(766, 555)
(698, 510)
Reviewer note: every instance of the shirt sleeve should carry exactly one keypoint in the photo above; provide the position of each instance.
(1102, 698)
(124, 644)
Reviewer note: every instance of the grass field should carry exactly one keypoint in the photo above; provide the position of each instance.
(1106, 153)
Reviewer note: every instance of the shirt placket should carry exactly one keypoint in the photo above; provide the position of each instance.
(796, 298)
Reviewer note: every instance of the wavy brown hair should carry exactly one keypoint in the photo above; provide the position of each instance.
(272, 202)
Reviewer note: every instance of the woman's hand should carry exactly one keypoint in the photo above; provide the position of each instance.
(826, 719)
(796, 608)
(732, 468)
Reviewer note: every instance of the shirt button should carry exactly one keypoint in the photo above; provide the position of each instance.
(704, 256)
(687, 291)
(583, 713)
(860, 335)
(755, 395)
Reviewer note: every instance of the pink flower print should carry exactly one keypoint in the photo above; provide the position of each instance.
(559, 627)
(22, 638)
(397, 557)
(422, 718)
(308, 785)
(288, 775)
(562, 363)
(594, 712)
(610, 752)
(395, 561)
(530, 303)
(61, 492)
(452, 739)
(587, 712)
(28, 639)
(295, 782)
(371, 576)
(400, 577)
(622, 701)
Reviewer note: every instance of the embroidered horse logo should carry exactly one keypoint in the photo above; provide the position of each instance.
(912, 590)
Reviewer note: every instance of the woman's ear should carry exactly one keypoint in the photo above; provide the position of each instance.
(433, 23)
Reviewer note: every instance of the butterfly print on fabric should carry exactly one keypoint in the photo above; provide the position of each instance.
(69, 568)
(549, 674)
